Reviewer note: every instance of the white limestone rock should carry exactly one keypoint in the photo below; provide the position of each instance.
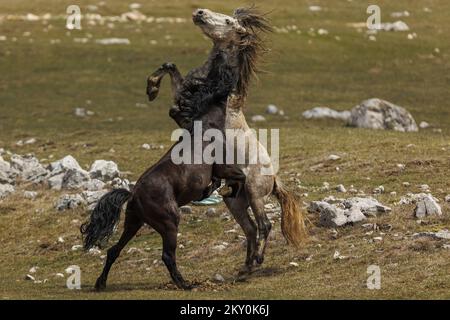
(382, 115)
(339, 212)
(104, 170)
(6, 190)
(29, 168)
(326, 113)
(75, 179)
(69, 201)
(92, 197)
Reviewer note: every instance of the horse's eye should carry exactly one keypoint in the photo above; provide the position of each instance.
(228, 21)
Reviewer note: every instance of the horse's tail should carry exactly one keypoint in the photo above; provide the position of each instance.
(104, 218)
(292, 216)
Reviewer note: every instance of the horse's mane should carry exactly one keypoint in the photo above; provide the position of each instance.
(252, 45)
(202, 88)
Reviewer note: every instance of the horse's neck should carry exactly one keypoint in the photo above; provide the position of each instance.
(235, 118)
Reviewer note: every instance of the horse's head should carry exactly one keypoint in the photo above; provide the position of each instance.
(217, 26)
(242, 31)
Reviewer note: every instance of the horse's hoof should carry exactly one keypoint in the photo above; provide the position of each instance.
(152, 93)
(186, 286)
(100, 285)
(259, 259)
(241, 276)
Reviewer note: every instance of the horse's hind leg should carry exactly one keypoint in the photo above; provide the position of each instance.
(238, 207)
(264, 227)
(154, 80)
(131, 226)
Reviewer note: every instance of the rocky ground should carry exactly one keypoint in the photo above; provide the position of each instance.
(372, 197)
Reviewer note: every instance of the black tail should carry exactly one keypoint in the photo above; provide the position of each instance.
(104, 218)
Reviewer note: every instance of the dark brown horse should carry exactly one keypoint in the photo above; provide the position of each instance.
(158, 194)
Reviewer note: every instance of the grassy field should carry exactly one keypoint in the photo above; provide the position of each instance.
(45, 75)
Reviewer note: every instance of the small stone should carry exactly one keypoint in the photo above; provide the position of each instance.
(30, 195)
(219, 248)
(341, 188)
(77, 247)
(378, 238)
(424, 188)
(337, 256)
(447, 198)
(294, 264)
(258, 118)
(82, 112)
(219, 278)
(424, 125)
(378, 190)
(94, 251)
(333, 157)
(271, 109)
(406, 184)
(186, 210)
(30, 277)
(59, 275)
(211, 212)
(33, 269)
(393, 194)
(60, 239)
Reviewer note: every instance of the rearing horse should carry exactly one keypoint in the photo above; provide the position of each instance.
(208, 94)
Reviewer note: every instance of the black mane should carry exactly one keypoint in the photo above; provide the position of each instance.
(213, 82)
(203, 87)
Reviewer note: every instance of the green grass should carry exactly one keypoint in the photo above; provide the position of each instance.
(41, 84)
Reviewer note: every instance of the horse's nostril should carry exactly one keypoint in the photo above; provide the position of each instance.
(200, 12)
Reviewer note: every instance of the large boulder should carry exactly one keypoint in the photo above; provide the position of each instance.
(66, 173)
(63, 165)
(381, 114)
(29, 168)
(75, 179)
(104, 170)
(326, 113)
(339, 212)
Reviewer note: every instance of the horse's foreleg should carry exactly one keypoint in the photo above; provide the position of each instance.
(131, 226)
(154, 80)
